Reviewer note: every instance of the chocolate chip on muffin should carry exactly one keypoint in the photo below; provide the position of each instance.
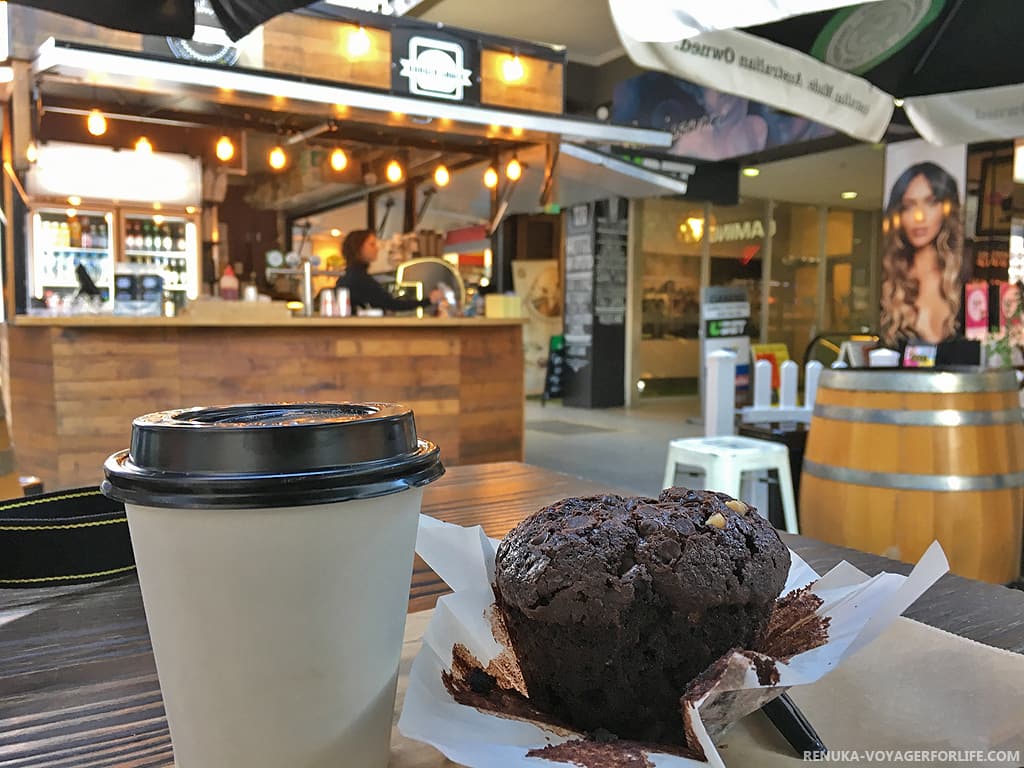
(614, 604)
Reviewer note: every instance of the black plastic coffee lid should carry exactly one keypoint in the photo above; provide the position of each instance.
(271, 455)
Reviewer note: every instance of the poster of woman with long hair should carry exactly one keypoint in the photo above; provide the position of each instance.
(922, 257)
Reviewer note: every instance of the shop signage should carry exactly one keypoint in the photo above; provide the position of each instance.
(436, 67)
(736, 231)
(707, 124)
(922, 180)
(725, 321)
(717, 329)
(595, 303)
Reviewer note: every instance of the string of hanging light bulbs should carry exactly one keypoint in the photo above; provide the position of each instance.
(225, 150)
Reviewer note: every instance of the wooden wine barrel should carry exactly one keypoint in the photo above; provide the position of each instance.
(898, 458)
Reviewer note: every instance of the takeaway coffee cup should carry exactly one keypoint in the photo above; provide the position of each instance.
(274, 546)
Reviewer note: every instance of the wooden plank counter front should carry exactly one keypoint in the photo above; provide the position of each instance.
(73, 385)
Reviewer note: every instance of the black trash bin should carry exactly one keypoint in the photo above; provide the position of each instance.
(794, 437)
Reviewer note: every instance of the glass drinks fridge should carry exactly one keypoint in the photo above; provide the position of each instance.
(165, 242)
(61, 240)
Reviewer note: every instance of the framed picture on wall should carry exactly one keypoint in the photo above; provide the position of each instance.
(995, 209)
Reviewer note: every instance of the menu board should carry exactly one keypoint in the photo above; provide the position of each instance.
(610, 267)
(579, 288)
(596, 272)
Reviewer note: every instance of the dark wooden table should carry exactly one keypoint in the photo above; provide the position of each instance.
(78, 687)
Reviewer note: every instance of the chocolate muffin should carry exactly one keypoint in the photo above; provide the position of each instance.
(614, 604)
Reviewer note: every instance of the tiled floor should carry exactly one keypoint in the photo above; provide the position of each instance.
(623, 447)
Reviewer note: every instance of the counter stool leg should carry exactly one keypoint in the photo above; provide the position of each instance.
(724, 477)
(674, 461)
(670, 470)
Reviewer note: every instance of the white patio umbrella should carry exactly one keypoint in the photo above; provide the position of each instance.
(952, 65)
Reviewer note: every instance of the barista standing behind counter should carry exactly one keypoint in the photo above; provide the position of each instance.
(360, 250)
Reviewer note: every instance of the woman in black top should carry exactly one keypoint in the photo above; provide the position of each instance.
(360, 250)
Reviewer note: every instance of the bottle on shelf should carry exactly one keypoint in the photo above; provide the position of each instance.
(63, 235)
(179, 238)
(229, 284)
(147, 237)
(166, 241)
(75, 232)
(85, 238)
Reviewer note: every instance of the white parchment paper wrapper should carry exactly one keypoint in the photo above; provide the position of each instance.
(860, 609)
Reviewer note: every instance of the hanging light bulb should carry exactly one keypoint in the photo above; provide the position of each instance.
(31, 152)
(277, 158)
(442, 176)
(394, 172)
(143, 146)
(514, 170)
(96, 123)
(490, 178)
(359, 43)
(225, 149)
(339, 160)
(512, 70)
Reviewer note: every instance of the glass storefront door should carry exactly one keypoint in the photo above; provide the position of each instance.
(793, 290)
(669, 248)
(852, 239)
(819, 263)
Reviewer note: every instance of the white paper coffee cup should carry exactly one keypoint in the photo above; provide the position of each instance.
(274, 547)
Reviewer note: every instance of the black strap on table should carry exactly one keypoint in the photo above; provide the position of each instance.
(66, 537)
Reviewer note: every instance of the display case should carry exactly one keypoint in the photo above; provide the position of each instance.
(61, 240)
(167, 242)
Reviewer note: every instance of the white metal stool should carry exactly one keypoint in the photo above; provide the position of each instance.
(723, 460)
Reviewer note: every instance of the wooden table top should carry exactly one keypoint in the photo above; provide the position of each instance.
(78, 686)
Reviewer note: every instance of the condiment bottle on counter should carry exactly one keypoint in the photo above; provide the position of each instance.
(229, 284)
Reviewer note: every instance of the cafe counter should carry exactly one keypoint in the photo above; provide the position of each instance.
(72, 385)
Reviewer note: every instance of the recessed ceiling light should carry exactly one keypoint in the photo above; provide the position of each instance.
(848, 195)
(751, 172)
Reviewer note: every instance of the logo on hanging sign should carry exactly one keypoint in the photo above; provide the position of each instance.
(436, 68)
(209, 43)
